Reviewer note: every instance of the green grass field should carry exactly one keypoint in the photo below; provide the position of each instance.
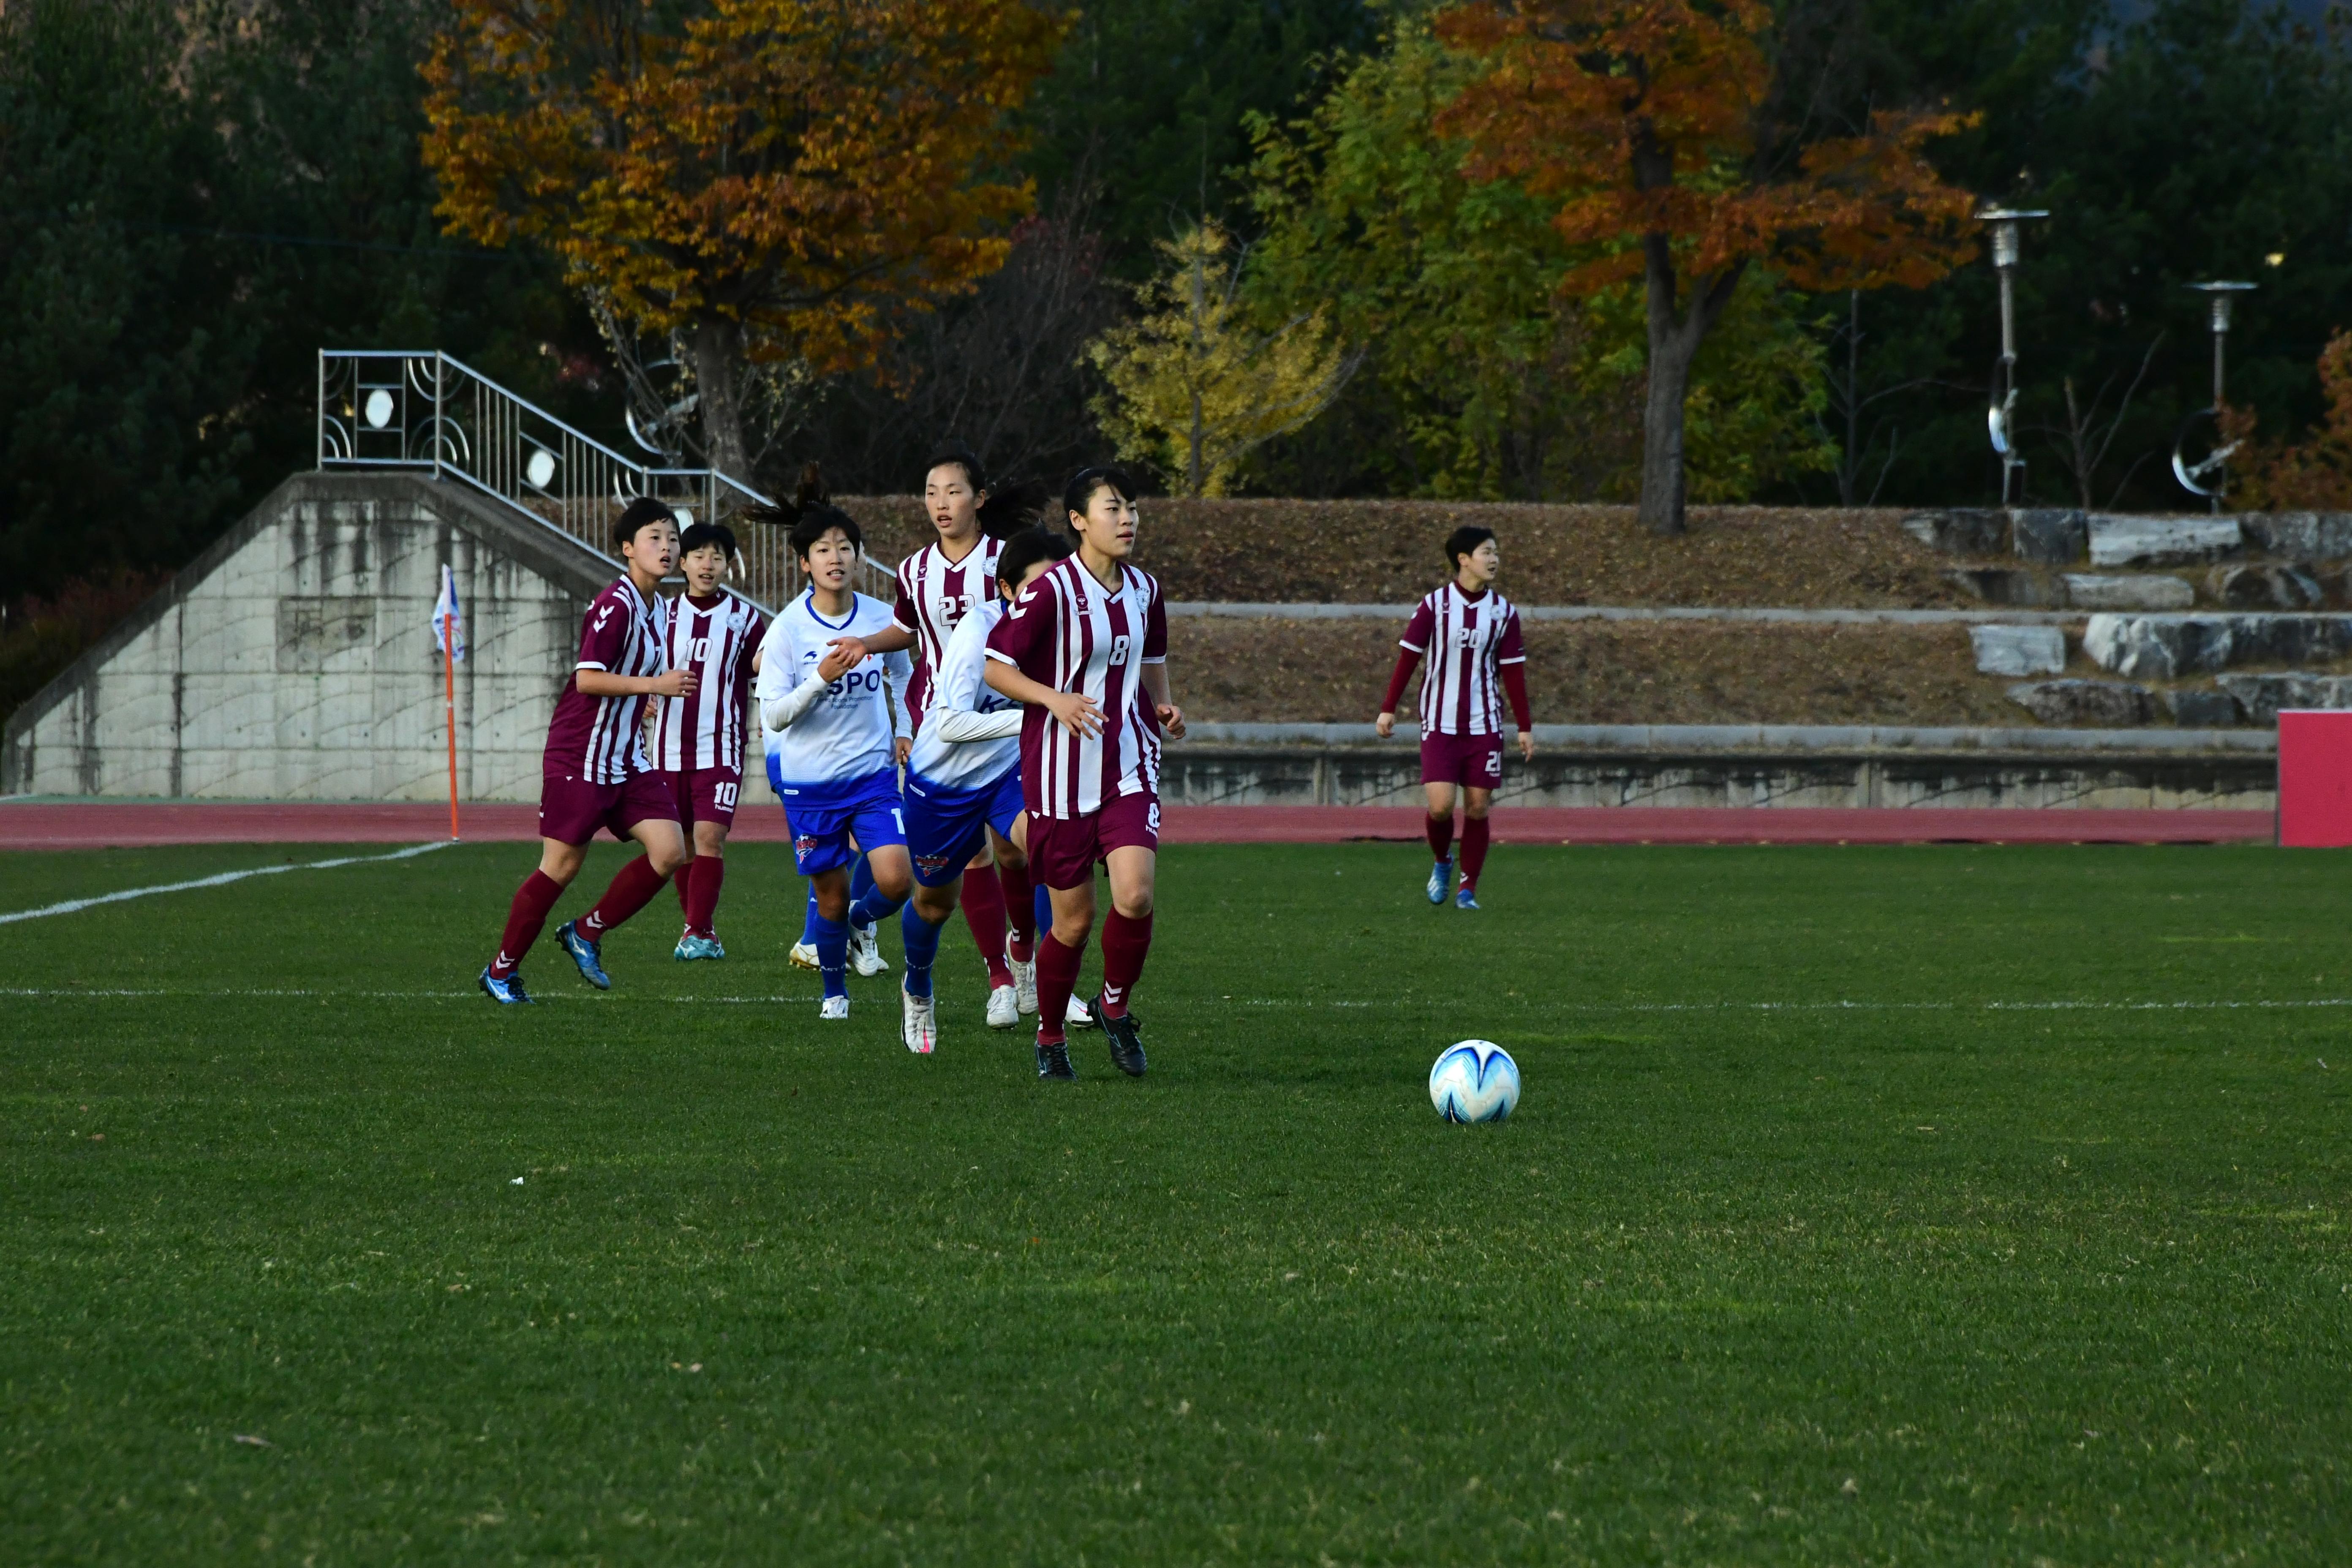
(1906, 1206)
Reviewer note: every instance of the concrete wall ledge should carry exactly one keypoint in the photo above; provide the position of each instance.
(1852, 739)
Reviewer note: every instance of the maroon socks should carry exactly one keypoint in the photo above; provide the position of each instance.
(1020, 913)
(1125, 943)
(984, 911)
(525, 917)
(709, 873)
(685, 881)
(1440, 835)
(1474, 850)
(630, 891)
(1057, 976)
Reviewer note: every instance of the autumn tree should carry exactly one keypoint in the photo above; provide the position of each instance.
(1196, 384)
(772, 179)
(1676, 145)
(2315, 472)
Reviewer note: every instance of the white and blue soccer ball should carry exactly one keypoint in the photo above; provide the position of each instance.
(1475, 1080)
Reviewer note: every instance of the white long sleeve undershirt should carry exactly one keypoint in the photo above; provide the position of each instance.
(958, 725)
(781, 711)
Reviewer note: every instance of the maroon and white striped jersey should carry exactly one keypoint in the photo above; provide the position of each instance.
(600, 739)
(1064, 631)
(1468, 640)
(934, 594)
(716, 640)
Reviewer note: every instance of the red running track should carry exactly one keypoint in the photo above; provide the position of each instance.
(95, 824)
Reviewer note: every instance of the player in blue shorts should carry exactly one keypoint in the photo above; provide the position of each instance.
(963, 779)
(826, 721)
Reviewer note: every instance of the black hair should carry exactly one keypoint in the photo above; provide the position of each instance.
(1461, 541)
(1083, 485)
(809, 515)
(1012, 507)
(963, 458)
(1027, 548)
(636, 515)
(698, 534)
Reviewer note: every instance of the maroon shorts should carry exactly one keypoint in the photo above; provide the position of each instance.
(1063, 851)
(1474, 759)
(705, 795)
(571, 810)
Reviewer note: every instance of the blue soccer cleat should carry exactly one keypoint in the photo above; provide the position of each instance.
(1463, 898)
(583, 953)
(507, 993)
(692, 947)
(1441, 878)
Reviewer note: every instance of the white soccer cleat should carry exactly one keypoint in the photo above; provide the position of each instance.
(919, 1027)
(802, 956)
(866, 951)
(835, 1007)
(1077, 1015)
(1004, 1008)
(1024, 988)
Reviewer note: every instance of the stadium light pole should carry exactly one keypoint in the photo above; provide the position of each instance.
(2000, 415)
(2220, 295)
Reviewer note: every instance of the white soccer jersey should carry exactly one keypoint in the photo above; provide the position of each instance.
(848, 733)
(934, 594)
(1468, 640)
(707, 730)
(1066, 632)
(962, 688)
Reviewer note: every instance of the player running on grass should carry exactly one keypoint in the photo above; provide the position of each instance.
(828, 734)
(1086, 648)
(699, 739)
(964, 783)
(594, 772)
(1470, 635)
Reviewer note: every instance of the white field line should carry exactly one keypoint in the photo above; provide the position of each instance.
(73, 906)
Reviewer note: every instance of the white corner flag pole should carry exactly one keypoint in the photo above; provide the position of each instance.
(449, 636)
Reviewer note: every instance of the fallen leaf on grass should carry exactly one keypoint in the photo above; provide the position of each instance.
(249, 1441)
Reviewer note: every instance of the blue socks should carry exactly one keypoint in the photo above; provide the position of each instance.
(872, 906)
(861, 882)
(808, 921)
(922, 941)
(831, 954)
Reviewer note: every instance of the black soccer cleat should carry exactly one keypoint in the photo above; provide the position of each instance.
(1126, 1037)
(1054, 1060)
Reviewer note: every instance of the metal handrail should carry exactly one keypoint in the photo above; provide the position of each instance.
(419, 408)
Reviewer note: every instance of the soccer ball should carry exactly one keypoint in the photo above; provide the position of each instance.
(1475, 1080)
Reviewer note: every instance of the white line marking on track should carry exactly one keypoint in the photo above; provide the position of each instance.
(73, 905)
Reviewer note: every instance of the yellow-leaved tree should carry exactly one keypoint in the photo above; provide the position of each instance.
(771, 179)
(1195, 384)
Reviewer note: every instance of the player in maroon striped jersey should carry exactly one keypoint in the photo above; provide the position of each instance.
(1470, 635)
(1085, 646)
(596, 774)
(699, 739)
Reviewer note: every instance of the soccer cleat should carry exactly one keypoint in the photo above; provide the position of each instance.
(1441, 878)
(1024, 987)
(507, 993)
(1126, 1037)
(1078, 1016)
(804, 956)
(835, 1007)
(866, 951)
(583, 953)
(1054, 1060)
(692, 947)
(1465, 897)
(919, 1028)
(1004, 1008)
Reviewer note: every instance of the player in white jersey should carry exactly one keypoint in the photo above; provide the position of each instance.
(1477, 653)
(827, 729)
(699, 740)
(1084, 646)
(963, 782)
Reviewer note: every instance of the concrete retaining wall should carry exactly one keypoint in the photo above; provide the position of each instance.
(295, 659)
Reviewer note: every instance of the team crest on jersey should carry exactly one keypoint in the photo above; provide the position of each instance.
(804, 845)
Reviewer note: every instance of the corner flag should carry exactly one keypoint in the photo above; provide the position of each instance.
(449, 637)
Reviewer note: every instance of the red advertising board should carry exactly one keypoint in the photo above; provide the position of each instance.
(2315, 778)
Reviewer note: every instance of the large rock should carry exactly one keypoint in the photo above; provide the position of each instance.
(2097, 703)
(2265, 588)
(2053, 536)
(2007, 585)
(2018, 650)
(2095, 591)
(2302, 536)
(2162, 540)
(1960, 531)
(2169, 646)
(2194, 708)
(2262, 696)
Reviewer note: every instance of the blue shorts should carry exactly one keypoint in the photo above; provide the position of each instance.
(945, 828)
(823, 816)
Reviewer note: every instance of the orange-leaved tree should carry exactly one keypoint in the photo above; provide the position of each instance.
(772, 179)
(1679, 147)
(2315, 472)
